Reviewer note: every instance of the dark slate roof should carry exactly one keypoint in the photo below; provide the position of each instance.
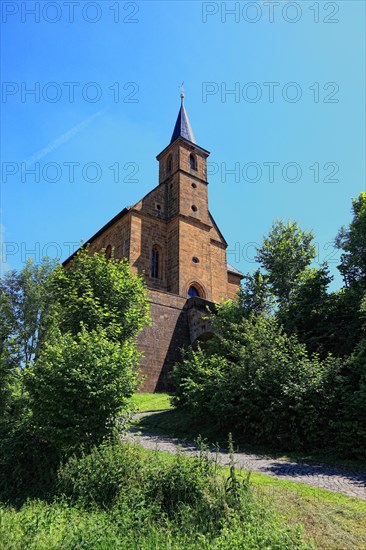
(232, 269)
(182, 127)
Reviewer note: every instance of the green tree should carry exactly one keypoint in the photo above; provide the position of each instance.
(349, 422)
(344, 316)
(306, 314)
(26, 310)
(6, 328)
(86, 370)
(255, 295)
(353, 242)
(93, 291)
(69, 363)
(285, 253)
(26, 313)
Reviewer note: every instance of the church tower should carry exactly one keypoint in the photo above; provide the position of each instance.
(195, 248)
(171, 238)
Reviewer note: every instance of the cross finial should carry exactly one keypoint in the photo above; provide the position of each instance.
(181, 87)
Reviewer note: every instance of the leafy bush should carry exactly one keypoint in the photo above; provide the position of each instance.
(122, 472)
(349, 421)
(259, 379)
(254, 379)
(187, 484)
(100, 477)
(28, 464)
(78, 386)
(94, 291)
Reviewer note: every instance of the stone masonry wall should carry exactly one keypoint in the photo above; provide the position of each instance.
(117, 236)
(233, 285)
(161, 343)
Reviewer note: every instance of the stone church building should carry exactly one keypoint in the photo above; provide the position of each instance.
(171, 237)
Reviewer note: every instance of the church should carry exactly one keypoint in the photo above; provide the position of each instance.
(171, 238)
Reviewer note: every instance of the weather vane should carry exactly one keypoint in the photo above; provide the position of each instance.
(181, 87)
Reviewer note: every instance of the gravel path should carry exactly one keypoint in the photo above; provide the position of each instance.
(332, 478)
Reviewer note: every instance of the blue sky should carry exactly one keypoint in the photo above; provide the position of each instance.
(106, 98)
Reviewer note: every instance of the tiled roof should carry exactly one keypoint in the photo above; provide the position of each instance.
(234, 270)
(182, 127)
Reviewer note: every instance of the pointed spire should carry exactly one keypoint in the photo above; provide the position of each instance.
(182, 127)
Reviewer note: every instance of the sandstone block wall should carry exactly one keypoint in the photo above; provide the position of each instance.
(161, 343)
(117, 236)
(233, 285)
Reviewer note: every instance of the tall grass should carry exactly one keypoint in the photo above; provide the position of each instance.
(121, 496)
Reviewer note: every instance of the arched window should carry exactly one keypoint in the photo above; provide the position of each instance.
(108, 252)
(193, 292)
(192, 162)
(169, 164)
(155, 262)
(124, 248)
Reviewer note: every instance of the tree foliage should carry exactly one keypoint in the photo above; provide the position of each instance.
(349, 421)
(26, 311)
(353, 243)
(306, 313)
(255, 295)
(285, 253)
(94, 291)
(255, 380)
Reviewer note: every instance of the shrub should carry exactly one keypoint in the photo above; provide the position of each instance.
(255, 380)
(100, 477)
(349, 421)
(122, 472)
(28, 464)
(78, 387)
(68, 363)
(184, 483)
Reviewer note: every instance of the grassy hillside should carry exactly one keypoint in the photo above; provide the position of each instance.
(330, 520)
(121, 496)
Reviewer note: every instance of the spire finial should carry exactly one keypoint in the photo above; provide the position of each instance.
(181, 87)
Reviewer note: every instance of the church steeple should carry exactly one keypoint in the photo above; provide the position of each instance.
(182, 127)
(182, 155)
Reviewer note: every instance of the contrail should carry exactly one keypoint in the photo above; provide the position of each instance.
(63, 138)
